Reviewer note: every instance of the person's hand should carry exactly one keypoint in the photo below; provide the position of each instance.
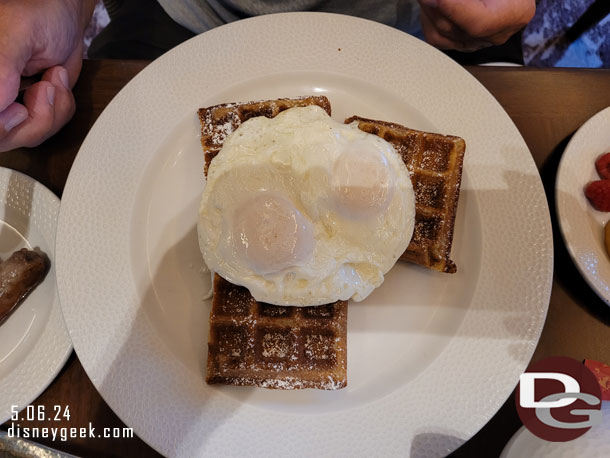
(37, 36)
(468, 25)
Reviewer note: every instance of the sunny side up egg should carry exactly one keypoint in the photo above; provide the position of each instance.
(303, 210)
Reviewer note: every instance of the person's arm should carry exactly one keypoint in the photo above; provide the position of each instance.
(468, 25)
(39, 36)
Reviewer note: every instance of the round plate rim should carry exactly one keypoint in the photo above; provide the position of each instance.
(562, 216)
(543, 242)
(65, 350)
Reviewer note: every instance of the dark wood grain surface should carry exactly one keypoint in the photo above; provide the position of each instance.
(547, 106)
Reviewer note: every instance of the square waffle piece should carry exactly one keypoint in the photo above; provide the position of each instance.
(270, 346)
(258, 344)
(435, 163)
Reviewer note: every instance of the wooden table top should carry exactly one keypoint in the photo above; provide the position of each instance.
(547, 106)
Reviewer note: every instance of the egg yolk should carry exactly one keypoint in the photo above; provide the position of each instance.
(362, 184)
(271, 234)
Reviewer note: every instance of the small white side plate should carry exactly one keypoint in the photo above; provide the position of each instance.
(581, 225)
(593, 444)
(34, 341)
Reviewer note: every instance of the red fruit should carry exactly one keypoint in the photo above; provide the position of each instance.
(602, 164)
(598, 193)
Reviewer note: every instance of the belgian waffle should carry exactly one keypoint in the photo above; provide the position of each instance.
(254, 343)
(259, 344)
(435, 163)
(218, 121)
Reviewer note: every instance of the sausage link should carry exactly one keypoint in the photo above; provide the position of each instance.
(19, 274)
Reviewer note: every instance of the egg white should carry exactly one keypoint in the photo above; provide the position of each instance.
(294, 157)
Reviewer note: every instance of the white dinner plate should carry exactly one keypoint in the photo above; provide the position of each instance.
(34, 341)
(593, 444)
(581, 225)
(431, 356)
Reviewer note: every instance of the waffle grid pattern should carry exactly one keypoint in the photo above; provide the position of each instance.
(254, 343)
(435, 163)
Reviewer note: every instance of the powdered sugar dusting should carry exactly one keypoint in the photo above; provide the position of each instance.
(258, 344)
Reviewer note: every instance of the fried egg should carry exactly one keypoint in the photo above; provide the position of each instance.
(303, 210)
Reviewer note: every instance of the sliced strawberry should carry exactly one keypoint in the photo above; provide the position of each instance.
(602, 164)
(598, 193)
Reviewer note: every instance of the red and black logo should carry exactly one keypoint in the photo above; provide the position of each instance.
(558, 399)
